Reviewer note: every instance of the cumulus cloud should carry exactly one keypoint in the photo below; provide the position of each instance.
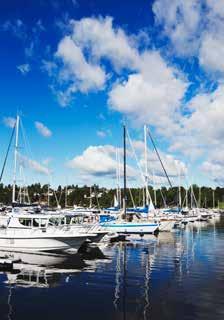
(202, 129)
(77, 72)
(42, 129)
(9, 121)
(104, 40)
(194, 28)
(99, 161)
(153, 95)
(81, 57)
(212, 48)
(180, 20)
(33, 165)
(24, 68)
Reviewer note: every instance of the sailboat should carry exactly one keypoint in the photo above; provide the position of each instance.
(122, 225)
(26, 231)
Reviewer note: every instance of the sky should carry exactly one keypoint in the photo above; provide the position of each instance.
(76, 70)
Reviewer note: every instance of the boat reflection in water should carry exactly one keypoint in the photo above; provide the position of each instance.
(43, 269)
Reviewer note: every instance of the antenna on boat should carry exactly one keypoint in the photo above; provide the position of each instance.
(15, 160)
(125, 182)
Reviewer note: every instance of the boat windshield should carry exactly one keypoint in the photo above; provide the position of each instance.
(27, 222)
(54, 221)
(41, 223)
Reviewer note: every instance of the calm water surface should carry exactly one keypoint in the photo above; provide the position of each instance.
(177, 275)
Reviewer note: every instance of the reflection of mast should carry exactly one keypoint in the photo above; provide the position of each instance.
(124, 282)
(118, 276)
(9, 303)
(149, 260)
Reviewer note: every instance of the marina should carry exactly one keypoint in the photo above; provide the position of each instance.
(111, 160)
(170, 276)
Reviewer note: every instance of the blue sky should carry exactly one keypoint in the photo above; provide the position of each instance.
(75, 70)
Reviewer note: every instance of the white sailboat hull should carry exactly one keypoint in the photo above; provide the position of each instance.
(131, 227)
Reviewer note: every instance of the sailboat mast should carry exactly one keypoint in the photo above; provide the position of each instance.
(125, 184)
(117, 177)
(66, 196)
(179, 190)
(15, 161)
(199, 200)
(90, 197)
(146, 166)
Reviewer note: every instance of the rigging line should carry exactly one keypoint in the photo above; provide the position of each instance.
(132, 199)
(7, 152)
(96, 196)
(160, 160)
(26, 141)
(139, 166)
(162, 195)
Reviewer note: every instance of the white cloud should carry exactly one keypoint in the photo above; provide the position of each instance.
(151, 96)
(202, 130)
(43, 130)
(24, 68)
(104, 40)
(77, 72)
(33, 165)
(194, 28)
(99, 161)
(101, 133)
(212, 48)
(180, 20)
(9, 121)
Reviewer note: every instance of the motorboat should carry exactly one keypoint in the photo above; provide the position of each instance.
(40, 232)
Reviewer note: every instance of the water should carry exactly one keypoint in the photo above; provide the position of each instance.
(177, 275)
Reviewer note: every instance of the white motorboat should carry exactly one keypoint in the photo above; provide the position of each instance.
(40, 232)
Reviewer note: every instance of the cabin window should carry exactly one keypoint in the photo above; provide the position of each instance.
(68, 220)
(41, 223)
(54, 222)
(36, 222)
(25, 222)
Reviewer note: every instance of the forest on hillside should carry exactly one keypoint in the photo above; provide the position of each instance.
(102, 197)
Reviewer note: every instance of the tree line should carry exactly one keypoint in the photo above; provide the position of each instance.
(205, 197)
